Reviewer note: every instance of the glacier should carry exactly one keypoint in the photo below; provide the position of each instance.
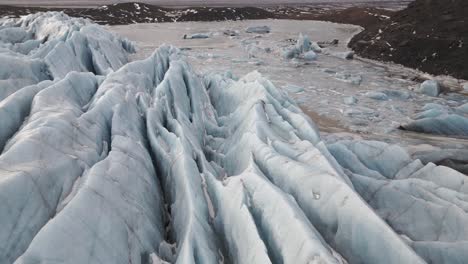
(48, 46)
(109, 161)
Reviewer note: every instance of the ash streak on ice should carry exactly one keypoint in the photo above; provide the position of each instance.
(150, 162)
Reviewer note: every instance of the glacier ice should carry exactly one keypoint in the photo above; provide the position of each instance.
(350, 100)
(104, 161)
(47, 46)
(441, 120)
(377, 95)
(304, 48)
(310, 56)
(197, 36)
(430, 88)
(258, 29)
(425, 204)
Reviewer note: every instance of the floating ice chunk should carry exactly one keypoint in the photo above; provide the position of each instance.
(348, 55)
(290, 53)
(310, 56)
(197, 36)
(434, 106)
(254, 51)
(377, 96)
(354, 79)
(303, 44)
(430, 87)
(401, 95)
(231, 33)
(294, 88)
(350, 100)
(441, 120)
(361, 111)
(315, 47)
(258, 29)
(304, 48)
(441, 124)
(257, 62)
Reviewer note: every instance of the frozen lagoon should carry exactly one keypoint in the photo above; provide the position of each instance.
(325, 82)
(323, 87)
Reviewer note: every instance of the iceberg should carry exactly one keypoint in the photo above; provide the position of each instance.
(304, 48)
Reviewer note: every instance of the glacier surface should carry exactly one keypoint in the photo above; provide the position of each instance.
(47, 46)
(105, 161)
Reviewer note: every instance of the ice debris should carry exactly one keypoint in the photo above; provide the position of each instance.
(397, 94)
(354, 79)
(293, 88)
(231, 33)
(304, 48)
(430, 87)
(440, 120)
(376, 95)
(310, 56)
(258, 29)
(350, 100)
(196, 36)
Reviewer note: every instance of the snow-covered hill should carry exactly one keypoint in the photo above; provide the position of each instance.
(148, 162)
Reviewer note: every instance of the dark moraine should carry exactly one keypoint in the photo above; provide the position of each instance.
(430, 35)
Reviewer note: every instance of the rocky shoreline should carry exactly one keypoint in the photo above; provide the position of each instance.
(430, 36)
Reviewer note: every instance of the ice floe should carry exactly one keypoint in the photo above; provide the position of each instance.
(258, 29)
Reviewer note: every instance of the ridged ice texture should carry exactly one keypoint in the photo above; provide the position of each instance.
(426, 204)
(47, 46)
(156, 160)
(155, 164)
